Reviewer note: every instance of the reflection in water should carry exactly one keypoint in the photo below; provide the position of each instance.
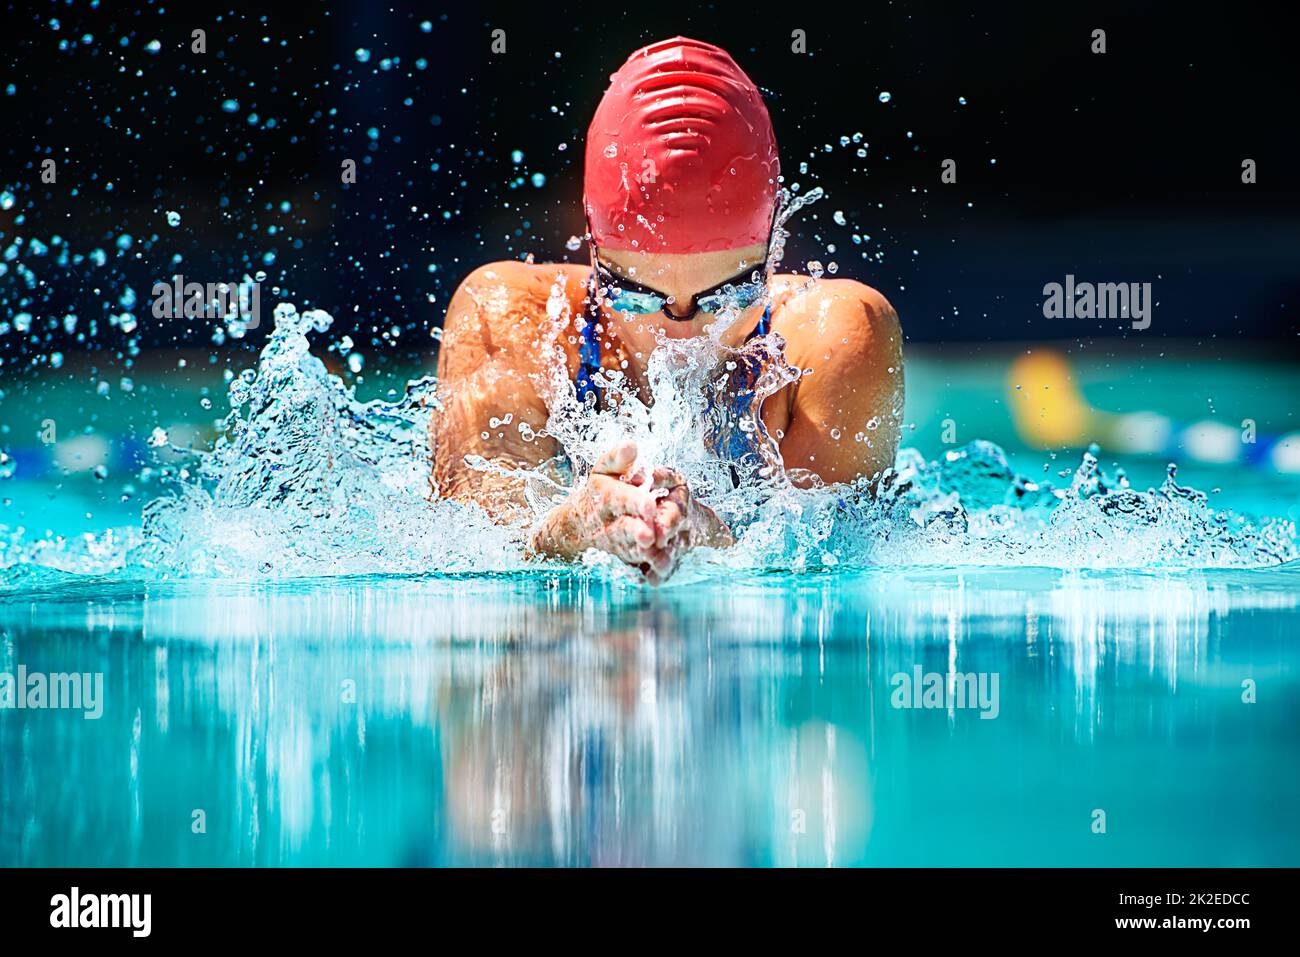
(557, 720)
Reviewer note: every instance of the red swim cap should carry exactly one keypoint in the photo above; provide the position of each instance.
(680, 154)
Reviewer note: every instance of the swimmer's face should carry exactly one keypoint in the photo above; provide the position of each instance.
(684, 280)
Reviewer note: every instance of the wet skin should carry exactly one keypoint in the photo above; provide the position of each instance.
(500, 356)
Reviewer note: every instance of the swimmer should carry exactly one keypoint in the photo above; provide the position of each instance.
(680, 193)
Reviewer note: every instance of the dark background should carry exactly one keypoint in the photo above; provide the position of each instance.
(1117, 167)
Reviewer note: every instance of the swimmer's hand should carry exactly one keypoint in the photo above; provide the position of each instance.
(682, 523)
(648, 520)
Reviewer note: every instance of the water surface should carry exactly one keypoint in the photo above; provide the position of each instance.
(568, 720)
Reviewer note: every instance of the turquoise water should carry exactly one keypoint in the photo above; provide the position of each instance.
(555, 720)
(264, 703)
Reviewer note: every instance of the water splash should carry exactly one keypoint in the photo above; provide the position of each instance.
(306, 480)
(690, 380)
(970, 508)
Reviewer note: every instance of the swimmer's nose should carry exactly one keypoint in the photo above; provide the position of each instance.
(680, 310)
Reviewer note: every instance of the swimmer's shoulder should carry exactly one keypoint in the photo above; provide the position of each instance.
(517, 275)
(501, 307)
(500, 289)
(814, 314)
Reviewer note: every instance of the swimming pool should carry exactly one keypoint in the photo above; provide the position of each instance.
(1123, 716)
(547, 720)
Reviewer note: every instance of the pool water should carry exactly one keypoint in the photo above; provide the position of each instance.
(557, 720)
(1139, 716)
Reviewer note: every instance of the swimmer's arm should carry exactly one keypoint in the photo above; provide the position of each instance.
(853, 343)
(482, 379)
